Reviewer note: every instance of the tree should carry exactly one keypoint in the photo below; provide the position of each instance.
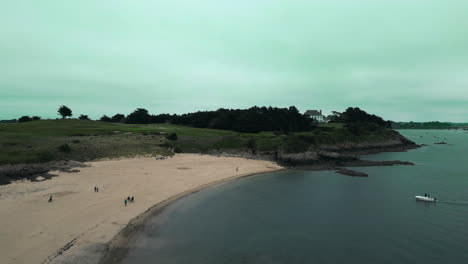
(83, 117)
(139, 116)
(35, 118)
(118, 118)
(64, 111)
(24, 119)
(105, 118)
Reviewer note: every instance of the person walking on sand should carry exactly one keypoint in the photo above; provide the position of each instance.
(50, 199)
(125, 202)
(237, 169)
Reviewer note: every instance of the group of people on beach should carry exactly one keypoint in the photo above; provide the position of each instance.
(129, 200)
(96, 189)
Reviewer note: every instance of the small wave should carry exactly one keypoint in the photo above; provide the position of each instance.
(455, 202)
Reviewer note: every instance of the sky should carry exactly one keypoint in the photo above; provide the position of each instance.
(401, 59)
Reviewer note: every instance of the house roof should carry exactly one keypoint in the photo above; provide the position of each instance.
(313, 113)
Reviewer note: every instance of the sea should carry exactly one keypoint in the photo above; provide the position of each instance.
(300, 216)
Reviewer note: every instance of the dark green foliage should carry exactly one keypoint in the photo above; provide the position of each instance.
(118, 118)
(296, 144)
(252, 145)
(308, 139)
(172, 136)
(64, 148)
(24, 119)
(83, 117)
(75, 141)
(139, 116)
(45, 156)
(252, 120)
(359, 122)
(64, 111)
(105, 118)
(177, 149)
(36, 118)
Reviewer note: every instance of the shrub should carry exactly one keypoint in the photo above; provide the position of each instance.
(295, 144)
(118, 118)
(44, 156)
(83, 117)
(35, 118)
(252, 145)
(64, 148)
(105, 118)
(172, 136)
(177, 149)
(24, 119)
(75, 141)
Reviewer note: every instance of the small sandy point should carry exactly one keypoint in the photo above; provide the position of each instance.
(81, 222)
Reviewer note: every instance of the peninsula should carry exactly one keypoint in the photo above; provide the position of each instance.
(65, 160)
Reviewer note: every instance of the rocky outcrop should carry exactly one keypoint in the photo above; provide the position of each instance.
(329, 157)
(351, 173)
(362, 163)
(347, 153)
(9, 173)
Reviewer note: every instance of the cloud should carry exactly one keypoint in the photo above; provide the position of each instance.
(395, 58)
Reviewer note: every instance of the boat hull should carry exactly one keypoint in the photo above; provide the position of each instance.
(425, 199)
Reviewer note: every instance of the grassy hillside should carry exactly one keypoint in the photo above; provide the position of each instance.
(39, 141)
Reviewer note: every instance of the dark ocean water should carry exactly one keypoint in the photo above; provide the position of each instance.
(324, 217)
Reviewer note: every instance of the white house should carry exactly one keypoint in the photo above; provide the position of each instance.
(316, 115)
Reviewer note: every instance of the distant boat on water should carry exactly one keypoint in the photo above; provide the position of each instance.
(425, 198)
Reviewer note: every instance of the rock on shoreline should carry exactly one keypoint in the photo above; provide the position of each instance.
(9, 173)
(333, 157)
(351, 173)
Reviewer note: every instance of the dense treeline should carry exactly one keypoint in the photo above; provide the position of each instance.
(254, 119)
(358, 121)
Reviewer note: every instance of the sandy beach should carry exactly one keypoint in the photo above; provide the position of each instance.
(79, 223)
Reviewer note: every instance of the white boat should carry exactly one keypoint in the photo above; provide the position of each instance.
(425, 199)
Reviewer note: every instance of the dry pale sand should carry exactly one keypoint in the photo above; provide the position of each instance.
(82, 221)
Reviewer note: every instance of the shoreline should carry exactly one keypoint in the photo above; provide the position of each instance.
(110, 247)
(79, 224)
(116, 249)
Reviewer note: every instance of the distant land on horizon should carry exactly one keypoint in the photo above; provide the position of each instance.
(397, 123)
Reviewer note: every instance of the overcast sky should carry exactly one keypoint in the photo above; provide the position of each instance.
(400, 59)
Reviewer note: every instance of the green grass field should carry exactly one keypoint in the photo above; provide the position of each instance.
(38, 141)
